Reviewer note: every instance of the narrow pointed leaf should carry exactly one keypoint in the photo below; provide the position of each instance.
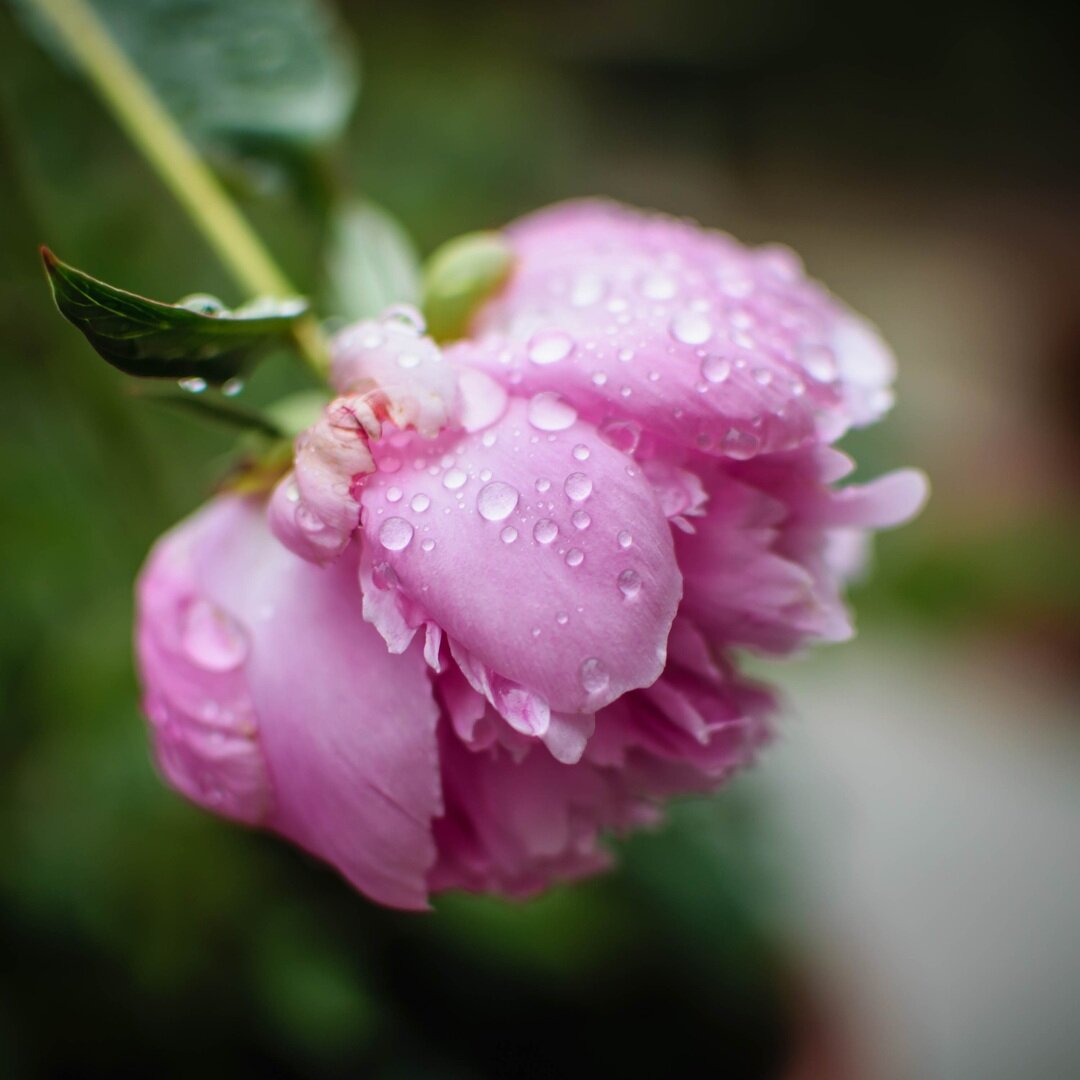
(152, 339)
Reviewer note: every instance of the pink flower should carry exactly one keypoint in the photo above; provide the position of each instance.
(524, 562)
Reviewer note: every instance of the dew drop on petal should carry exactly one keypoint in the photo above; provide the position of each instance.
(629, 583)
(212, 638)
(496, 501)
(395, 534)
(578, 487)
(658, 287)
(625, 539)
(594, 676)
(562, 618)
(419, 502)
(543, 485)
(545, 530)
(508, 535)
(549, 347)
(575, 557)
(428, 545)
(715, 369)
(393, 494)
(691, 328)
(580, 519)
(454, 479)
(581, 452)
(549, 412)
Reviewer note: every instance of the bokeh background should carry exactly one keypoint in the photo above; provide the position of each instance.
(892, 892)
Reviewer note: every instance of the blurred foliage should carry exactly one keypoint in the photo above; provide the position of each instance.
(141, 936)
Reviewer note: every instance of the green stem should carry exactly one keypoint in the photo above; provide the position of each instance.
(148, 124)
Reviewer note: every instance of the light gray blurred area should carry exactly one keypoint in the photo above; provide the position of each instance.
(927, 819)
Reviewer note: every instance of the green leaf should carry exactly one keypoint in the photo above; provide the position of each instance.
(196, 339)
(459, 277)
(247, 74)
(372, 262)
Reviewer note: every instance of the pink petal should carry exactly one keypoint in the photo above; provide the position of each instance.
(645, 319)
(541, 552)
(280, 706)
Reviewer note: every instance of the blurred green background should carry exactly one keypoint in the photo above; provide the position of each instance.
(891, 893)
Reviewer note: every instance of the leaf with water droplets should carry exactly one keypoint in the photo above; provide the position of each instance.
(192, 340)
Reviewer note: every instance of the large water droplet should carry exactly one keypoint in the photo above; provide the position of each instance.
(580, 519)
(508, 535)
(581, 452)
(212, 638)
(396, 534)
(407, 316)
(629, 583)
(740, 444)
(658, 286)
(575, 557)
(594, 676)
(496, 501)
(545, 530)
(715, 369)
(454, 479)
(691, 328)
(549, 347)
(578, 487)
(393, 494)
(193, 385)
(548, 412)
(420, 502)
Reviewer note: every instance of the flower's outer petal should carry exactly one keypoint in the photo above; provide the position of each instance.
(539, 549)
(314, 510)
(766, 563)
(272, 701)
(644, 319)
(403, 372)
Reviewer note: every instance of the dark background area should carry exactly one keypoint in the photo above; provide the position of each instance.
(887, 895)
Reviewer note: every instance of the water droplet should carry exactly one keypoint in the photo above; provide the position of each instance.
(543, 485)
(629, 583)
(292, 493)
(232, 387)
(407, 316)
(691, 328)
(428, 545)
(594, 676)
(548, 412)
(740, 444)
(193, 385)
(581, 452)
(599, 378)
(625, 539)
(545, 530)
(578, 487)
(716, 369)
(587, 289)
(393, 494)
(659, 287)
(508, 535)
(763, 376)
(408, 360)
(485, 475)
(580, 519)
(212, 638)
(454, 479)
(575, 557)
(562, 618)
(535, 631)
(419, 502)
(396, 534)
(549, 347)
(496, 501)
(488, 439)
(624, 435)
